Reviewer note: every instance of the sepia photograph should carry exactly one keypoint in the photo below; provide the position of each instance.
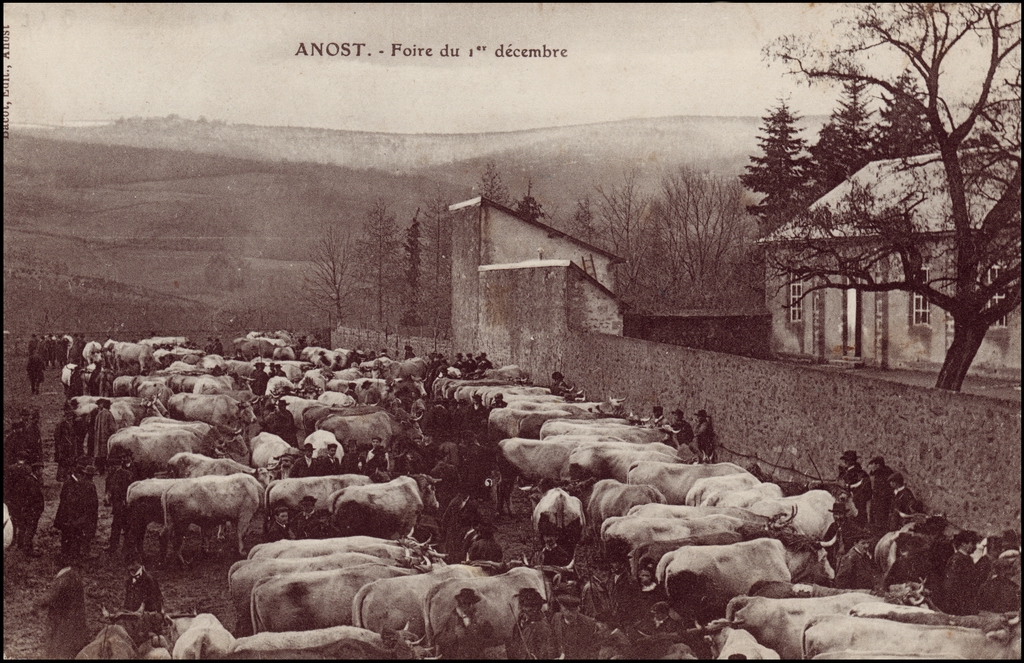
(512, 331)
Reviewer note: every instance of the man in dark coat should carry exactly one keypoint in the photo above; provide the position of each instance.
(325, 462)
(103, 426)
(67, 445)
(904, 503)
(704, 437)
(303, 466)
(577, 636)
(963, 576)
(1000, 593)
(66, 629)
(532, 637)
(308, 524)
(280, 422)
(881, 494)
(461, 634)
(77, 513)
(278, 529)
(117, 497)
(36, 372)
(23, 494)
(141, 590)
(858, 483)
(857, 568)
(484, 548)
(260, 379)
(377, 459)
(33, 440)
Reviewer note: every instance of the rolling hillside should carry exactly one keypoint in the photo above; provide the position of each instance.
(222, 216)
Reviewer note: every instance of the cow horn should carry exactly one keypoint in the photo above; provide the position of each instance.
(106, 615)
(831, 542)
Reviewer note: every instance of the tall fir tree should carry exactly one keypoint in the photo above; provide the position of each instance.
(528, 207)
(903, 129)
(491, 185)
(781, 173)
(845, 143)
(413, 250)
(379, 249)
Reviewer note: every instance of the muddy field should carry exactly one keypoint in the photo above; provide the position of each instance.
(201, 585)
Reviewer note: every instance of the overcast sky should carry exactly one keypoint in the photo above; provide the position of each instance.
(72, 63)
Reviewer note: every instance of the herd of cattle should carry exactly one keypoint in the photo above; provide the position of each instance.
(712, 531)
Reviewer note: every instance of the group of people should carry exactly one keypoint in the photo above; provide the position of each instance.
(966, 577)
(699, 438)
(471, 367)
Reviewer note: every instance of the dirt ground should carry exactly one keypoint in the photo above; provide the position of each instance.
(200, 586)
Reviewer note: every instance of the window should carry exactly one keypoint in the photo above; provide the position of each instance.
(922, 307)
(796, 301)
(993, 274)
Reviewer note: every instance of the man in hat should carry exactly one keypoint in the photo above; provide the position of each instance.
(303, 466)
(260, 379)
(116, 497)
(552, 553)
(461, 634)
(102, 428)
(352, 458)
(857, 481)
(77, 513)
(280, 422)
(964, 573)
(577, 636)
(141, 590)
(66, 629)
(881, 494)
(533, 638)
(704, 437)
(484, 548)
(1000, 593)
(36, 371)
(483, 363)
(680, 435)
(562, 387)
(307, 524)
(278, 529)
(409, 354)
(32, 442)
(904, 502)
(67, 445)
(857, 569)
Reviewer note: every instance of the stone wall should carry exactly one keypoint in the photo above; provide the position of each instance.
(961, 454)
(744, 335)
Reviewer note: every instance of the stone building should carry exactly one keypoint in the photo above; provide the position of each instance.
(507, 268)
(896, 329)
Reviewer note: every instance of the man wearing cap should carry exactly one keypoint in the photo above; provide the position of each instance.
(533, 637)
(302, 467)
(462, 635)
(77, 513)
(102, 428)
(116, 497)
(409, 354)
(858, 483)
(141, 590)
(963, 575)
(577, 636)
(881, 494)
(278, 529)
(857, 568)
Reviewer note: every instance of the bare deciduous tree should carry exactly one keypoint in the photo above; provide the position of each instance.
(329, 283)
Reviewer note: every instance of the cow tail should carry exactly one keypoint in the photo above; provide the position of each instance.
(167, 522)
(254, 613)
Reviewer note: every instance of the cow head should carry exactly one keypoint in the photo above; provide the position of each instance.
(246, 414)
(153, 404)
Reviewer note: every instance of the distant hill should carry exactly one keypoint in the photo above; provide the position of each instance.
(169, 206)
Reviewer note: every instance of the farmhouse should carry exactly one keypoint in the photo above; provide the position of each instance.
(894, 329)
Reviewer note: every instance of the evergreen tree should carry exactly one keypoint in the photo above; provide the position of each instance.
(844, 144)
(582, 224)
(781, 172)
(379, 252)
(491, 185)
(528, 207)
(412, 273)
(903, 129)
